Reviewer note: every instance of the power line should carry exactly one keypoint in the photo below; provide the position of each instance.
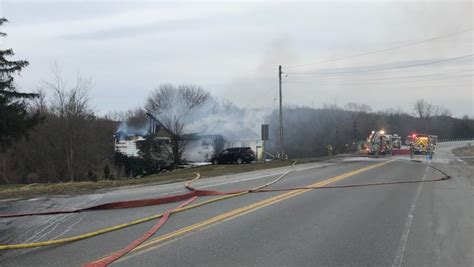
(382, 69)
(369, 82)
(379, 51)
(397, 78)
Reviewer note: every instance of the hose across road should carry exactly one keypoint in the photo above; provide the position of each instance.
(188, 198)
(129, 204)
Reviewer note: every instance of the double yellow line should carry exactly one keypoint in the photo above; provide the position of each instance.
(244, 210)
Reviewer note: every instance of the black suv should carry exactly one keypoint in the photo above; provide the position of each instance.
(237, 155)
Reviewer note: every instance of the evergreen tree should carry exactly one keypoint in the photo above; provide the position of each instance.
(15, 120)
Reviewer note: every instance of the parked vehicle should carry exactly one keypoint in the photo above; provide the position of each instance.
(422, 143)
(363, 148)
(237, 155)
(397, 141)
(380, 143)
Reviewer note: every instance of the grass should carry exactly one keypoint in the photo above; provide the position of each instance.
(32, 190)
(465, 153)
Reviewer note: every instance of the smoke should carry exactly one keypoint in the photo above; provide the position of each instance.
(131, 130)
(133, 123)
(232, 122)
(188, 109)
(214, 118)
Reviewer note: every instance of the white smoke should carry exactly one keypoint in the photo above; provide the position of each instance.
(232, 123)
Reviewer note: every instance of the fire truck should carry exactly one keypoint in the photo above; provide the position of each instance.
(397, 141)
(380, 143)
(421, 143)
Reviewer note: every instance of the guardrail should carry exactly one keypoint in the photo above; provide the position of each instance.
(455, 139)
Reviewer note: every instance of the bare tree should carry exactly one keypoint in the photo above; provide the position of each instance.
(357, 112)
(441, 111)
(425, 110)
(178, 142)
(175, 107)
(357, 107)
(72, 105)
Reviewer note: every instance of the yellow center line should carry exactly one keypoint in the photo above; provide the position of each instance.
(245, 210)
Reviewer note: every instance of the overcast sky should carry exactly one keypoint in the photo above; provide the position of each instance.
(233, 49)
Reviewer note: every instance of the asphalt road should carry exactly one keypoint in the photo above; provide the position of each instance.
(423, 224)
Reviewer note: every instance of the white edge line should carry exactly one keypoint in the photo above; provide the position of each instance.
(243, 180)
(397, 261)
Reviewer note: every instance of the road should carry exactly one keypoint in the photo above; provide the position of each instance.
(420, 224)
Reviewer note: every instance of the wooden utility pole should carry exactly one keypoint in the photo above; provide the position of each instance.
(281, 114)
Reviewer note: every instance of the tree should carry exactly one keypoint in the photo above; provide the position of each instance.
(15, 120)
(425, 110)
(71, 104)
(358, 112)
(357, 107)
(175, 107)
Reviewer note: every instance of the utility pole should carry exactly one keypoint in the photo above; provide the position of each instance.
(281, 114)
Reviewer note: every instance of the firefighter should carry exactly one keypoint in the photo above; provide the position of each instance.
(329, 147)
(376, 150)
(430, 150)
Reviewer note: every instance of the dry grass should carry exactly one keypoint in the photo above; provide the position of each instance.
(464, 151)
(23, 191)
(466, 154)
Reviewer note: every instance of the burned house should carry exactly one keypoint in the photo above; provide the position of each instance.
(155, 142)
(198, 148)
(128, 144)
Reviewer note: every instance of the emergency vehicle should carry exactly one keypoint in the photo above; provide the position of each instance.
(380, 143)
(421, 143)
(397, 141)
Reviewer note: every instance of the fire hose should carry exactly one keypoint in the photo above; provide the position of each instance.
(116, 255)
(194, 193)
(147, 202)
(124, 225)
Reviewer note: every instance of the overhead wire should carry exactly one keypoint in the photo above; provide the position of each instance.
(415, 76)
(380, 50)
(397, 79)
(384, 68)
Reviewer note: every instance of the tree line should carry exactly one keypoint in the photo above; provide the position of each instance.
(309, 131)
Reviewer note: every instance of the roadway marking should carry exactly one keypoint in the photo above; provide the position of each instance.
(152, 244)
(243, 180)
(223, 183)
(397, 261)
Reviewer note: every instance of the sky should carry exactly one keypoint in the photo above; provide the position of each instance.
(233, 49)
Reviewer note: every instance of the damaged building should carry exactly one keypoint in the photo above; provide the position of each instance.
(153, 142)
(199, 148)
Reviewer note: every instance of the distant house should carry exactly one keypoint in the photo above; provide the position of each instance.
(199, 148)
(129, 143)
